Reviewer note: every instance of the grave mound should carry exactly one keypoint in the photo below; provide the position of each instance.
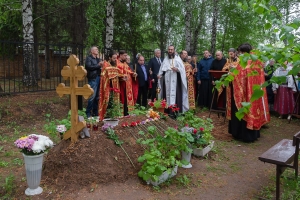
(97, 160)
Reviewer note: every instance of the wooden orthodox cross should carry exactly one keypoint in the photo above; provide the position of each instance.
(75, 73)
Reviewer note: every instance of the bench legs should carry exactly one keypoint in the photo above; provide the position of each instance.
(279, 171)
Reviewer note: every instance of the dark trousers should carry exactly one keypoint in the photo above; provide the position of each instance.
(142, 95)
(153, 91)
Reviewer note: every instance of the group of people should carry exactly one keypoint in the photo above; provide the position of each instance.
(184, 83)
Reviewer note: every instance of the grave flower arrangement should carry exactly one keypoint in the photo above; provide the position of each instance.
(34, 144)
(152, 114)
(161, 103)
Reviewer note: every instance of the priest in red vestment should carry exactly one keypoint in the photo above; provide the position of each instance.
(126, 95)
(241, 90)
(110, 75)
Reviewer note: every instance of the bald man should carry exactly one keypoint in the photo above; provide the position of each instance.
(219, 98)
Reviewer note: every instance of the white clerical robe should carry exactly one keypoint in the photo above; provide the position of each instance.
(171, 81)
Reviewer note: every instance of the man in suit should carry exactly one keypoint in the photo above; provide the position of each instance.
(143, 76)
(154, 65)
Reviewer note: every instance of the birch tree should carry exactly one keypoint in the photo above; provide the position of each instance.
(199, 23)
(29, 78)
(109, 24)
(188, 16)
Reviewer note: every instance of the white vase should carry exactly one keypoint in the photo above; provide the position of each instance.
(165, 176)
(204, 151)
(187, 157)
(112, 122)
(33, 166)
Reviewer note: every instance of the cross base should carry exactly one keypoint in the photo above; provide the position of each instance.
(74, 137)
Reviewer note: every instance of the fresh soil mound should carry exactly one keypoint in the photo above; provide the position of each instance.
(97, 160)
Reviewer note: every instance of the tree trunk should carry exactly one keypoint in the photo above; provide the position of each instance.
(47, 40)
(214, 28)
(194, 44)
(188, 16)
(29, 78)
(109, 24)
(162, 42)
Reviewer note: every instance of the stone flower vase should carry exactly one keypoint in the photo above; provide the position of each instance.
(187, 157)
(33, 166)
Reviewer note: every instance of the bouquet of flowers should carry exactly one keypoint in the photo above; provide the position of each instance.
(33, 144)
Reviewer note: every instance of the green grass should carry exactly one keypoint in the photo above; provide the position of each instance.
(215, 168)
(4, 163)
(184, 180)
(8, 186)
(289, 187)
(235, 167)
(9, 153)
(17, 161)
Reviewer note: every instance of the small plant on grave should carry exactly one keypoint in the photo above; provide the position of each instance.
(201, 137)
(160, 103)
(114, 107)
(199, 128)
(52, 126)
(162, 153)
(174, 111)
(138, 110)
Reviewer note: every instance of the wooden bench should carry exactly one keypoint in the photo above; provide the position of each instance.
(284, 154)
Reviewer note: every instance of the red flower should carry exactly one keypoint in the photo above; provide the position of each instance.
(151, 104)
(195, 131)
(133, 124)
(186, 125)
(201, 129)
(176, 127)
(138, 122)
(163, 103)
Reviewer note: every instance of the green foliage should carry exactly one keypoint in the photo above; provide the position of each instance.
(112, 135)
(50, 126)
(114, 108)
(184, 180)
(138, 110)
(9, 186)
(162, 152)
(191, 120)
(95, 15)
(4, 163)
(18, 161)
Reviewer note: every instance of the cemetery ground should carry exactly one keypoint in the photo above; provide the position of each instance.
(96, 168)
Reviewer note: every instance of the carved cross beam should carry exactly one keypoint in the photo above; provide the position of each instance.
(75, 73)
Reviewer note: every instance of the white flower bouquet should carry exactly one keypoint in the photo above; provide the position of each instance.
(33, 144)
